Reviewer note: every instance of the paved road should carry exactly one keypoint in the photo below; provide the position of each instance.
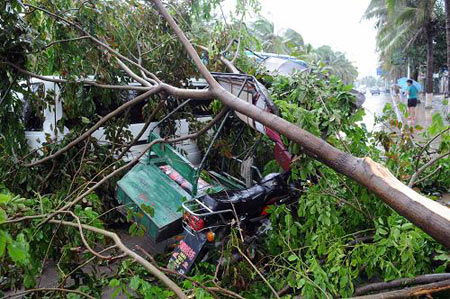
(374, 105)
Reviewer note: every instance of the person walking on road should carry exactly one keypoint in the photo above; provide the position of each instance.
(412, 92)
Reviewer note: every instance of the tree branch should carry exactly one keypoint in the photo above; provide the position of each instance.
(428, 278)
(94, 39)
(87, 82)
(57, 42)
(412, 292)
(425, 166)
(429, 215)
(20, 294)
(427, 144)
(144, 128)
(150, 268)
(97, 125)
(134, 161)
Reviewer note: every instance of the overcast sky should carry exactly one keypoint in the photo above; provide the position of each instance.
(337, 23)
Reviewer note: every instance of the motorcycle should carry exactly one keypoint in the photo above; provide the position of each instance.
(210, 216)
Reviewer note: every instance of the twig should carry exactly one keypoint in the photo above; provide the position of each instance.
(428, 278)
(48, 290)
(88, 133)
(349, 203)
(133, 75)
(83, 264)
(19, 219)
(257, 271)
(225, 292)
(47, 252)
(427, 144)
(149, 256)
(421, 169)
(412, 292)
(81, 164)
(138, 136)
(56, 42)
(135, 160)
(152, 269)
(428, 175)
(210, 290)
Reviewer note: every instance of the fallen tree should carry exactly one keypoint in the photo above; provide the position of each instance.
(425, 213)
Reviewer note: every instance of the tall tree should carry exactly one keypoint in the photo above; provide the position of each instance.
(428, 29)
(447, 30)
(400, 24)
(337, 63)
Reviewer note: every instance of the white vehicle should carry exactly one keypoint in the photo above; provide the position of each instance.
(41, 118)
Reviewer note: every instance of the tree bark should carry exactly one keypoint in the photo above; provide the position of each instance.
(447, 31)
(423, 279)
(427, 214)
(418, 291)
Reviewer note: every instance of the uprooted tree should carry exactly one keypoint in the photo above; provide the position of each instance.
(135, 51)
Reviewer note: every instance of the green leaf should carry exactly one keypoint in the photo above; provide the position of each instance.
(114, 283)
(18, 252)
(3, 241)
(292, 258)
(148, 209)
(4, 198)
(135, 283)
(85, 120)
(3, 215)
(29, 280)
(301, 283)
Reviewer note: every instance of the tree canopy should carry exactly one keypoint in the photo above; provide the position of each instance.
(57, 203)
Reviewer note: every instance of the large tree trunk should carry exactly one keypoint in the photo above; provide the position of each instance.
(447, 29)
(427, 214)
(429, 36)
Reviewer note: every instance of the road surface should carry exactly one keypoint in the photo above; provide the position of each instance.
(374, 105)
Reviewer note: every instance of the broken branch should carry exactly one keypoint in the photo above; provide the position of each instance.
(429, 215)
(150, 268)
(422, 169)
(96, 126)
(428, 278)
(412, 292)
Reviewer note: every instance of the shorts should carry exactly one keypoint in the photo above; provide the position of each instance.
(412, 102)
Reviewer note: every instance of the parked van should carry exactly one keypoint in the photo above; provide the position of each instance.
(43, 108)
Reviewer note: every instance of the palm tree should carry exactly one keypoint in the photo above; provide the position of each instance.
(264, 31)
(400, 24)
(337, 63)
(290, 42)
(284, 43)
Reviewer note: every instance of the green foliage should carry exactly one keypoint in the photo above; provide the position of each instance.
(402, 31)
(338, 235)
